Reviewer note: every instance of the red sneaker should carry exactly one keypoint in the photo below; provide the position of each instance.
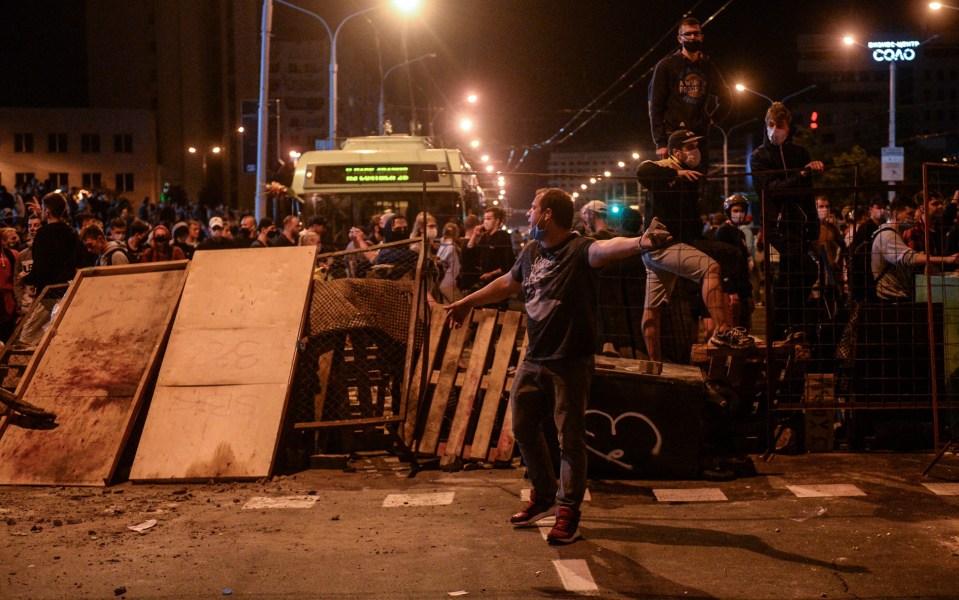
(566, 530)
(533, 511)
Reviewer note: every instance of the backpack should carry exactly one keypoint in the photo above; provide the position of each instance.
(108, 257)
(862, 283)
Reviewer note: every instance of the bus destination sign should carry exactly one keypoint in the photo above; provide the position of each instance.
(373, 173)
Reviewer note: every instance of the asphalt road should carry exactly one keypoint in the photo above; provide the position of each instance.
(375, 533)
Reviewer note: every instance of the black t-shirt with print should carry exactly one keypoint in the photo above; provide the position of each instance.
(559, 287)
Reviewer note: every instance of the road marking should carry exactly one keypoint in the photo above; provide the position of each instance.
(690, 495)
(575, 575)
(545, 525)
(280, 502)
(524, 495)
(943, 489)
(434, 499)
(825, 490)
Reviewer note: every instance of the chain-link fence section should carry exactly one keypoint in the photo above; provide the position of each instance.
(354, 354)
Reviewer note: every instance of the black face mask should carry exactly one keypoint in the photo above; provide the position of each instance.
(400, 233)
(692, 46)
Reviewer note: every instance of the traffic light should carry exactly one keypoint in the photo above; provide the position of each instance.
(814, 120)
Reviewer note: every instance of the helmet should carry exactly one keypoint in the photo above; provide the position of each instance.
(732, 201)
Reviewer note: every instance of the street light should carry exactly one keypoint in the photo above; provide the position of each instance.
(204, 154)
(742, 88)
(726, 150)
(387, 74)
(940, 5)
(471, 98)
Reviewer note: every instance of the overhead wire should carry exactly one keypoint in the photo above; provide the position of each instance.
(566, 131)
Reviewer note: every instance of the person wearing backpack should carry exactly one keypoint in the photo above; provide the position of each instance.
(893, 262)
(108, 253)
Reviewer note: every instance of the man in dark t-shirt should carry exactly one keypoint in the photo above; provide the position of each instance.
(557, 272)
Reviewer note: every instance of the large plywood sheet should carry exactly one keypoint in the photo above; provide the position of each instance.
(225, 378)
(90, 371)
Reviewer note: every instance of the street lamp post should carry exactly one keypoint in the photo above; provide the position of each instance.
(740, 87)
(383, 84)
(726, 151)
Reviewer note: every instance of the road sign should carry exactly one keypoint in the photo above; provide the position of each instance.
(893, 163)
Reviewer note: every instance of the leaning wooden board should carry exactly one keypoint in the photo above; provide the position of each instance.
(223, 387)
(90, 370)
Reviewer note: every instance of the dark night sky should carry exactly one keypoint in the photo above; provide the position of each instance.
(534, 62)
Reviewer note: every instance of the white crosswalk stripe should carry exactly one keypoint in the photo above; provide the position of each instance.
(825, 490)
(575, 575)
(432, 499)
(943, 489)
(690, 495)
(280, 502)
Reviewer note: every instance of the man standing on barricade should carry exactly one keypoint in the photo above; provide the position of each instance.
(673, 185)
(557, 273)
(687, 91)
(791, 223)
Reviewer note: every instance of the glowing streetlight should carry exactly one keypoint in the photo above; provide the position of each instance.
(466, 124)
(635, 155)
(474, 144)
(484, 158)
(240, 129)
(472, 98)
(621, 164)
(489, 168)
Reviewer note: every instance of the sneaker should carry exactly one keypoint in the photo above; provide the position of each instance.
(534, 511)
(566, 529)
(734, 337)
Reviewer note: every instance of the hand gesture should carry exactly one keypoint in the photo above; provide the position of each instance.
(689, 175)
(456, 314)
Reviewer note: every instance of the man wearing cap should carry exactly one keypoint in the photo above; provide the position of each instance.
(180, 233)
(686, 91)
(593, 215)
(673, 186)
(216, 241)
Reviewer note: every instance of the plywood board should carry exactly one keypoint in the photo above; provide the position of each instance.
(90, 371)
(224, 383)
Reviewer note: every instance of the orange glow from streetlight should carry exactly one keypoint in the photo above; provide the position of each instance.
(848, 40)
(215, 149)
(466, 124)
(406, 7)
(472, 98)
(191, 150)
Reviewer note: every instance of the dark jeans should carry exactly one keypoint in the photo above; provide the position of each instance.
(557, 389)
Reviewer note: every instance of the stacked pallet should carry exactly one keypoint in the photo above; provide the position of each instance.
(463, 413)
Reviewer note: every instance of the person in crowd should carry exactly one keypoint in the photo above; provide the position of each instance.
(193, 233)
(57, 254)
(216, 241)
(108, 252)
(137, 240)
(673, 186)
(736, 284)
(26, 293)
(792, 226)
(915, 236)
(264, 231)
(247, 233)
(448, 256)
(557, 273)
(397, 261)
(688, 92)
(118, 230)
(893, 261)
(489, 251)
(162, 249)
(595, 220)
(290, 236)
(832, 247)
(9, 240)
(317, 224)
(180, 233)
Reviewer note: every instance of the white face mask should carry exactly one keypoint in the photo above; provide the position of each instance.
(431, 233)
(692, 157)
(776, 136)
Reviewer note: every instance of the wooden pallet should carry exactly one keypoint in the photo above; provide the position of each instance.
(469, 369)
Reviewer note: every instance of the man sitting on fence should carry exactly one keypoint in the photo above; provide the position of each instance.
(557, 272)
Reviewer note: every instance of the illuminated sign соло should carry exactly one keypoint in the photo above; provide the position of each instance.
(891, 51)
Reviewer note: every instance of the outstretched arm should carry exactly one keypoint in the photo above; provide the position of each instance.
(602, 252)
(500, 288)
